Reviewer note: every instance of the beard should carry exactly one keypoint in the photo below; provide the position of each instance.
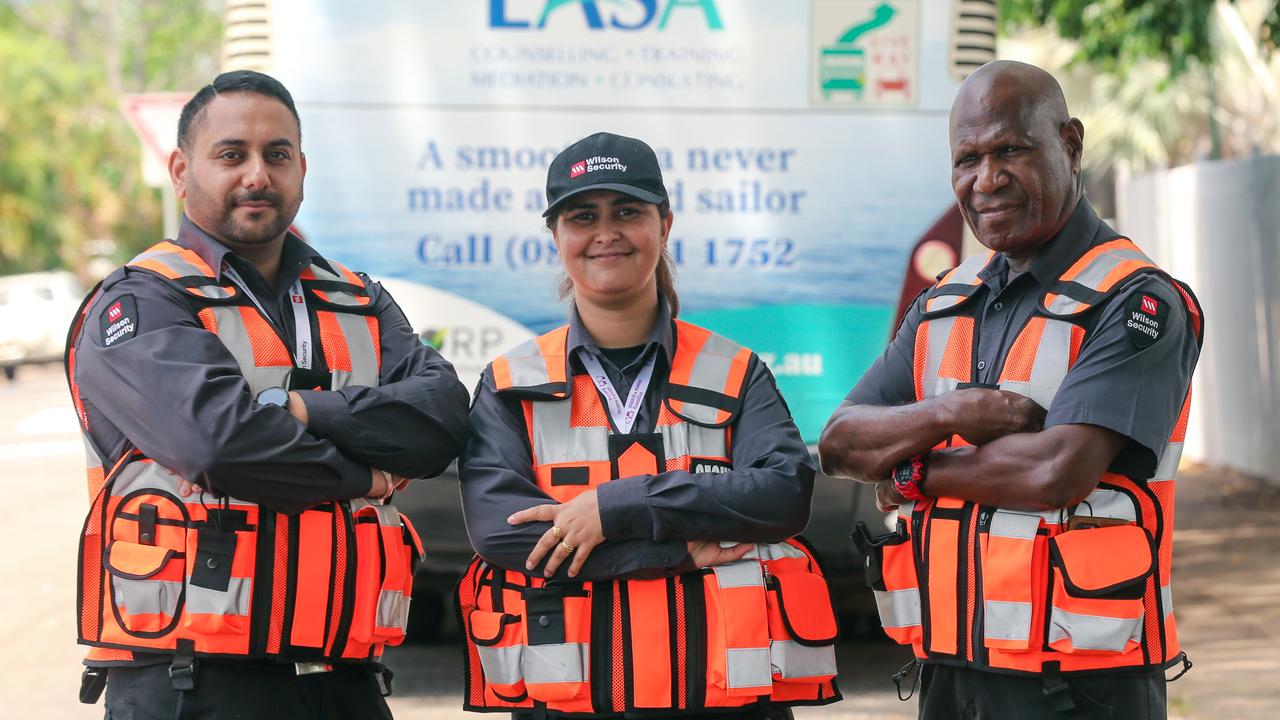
(220, 221)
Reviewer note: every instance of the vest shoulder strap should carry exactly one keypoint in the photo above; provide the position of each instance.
(186, 269)
(536, 369)
(957, 285)
(1095, 276)
(709, 374)
(340, 289)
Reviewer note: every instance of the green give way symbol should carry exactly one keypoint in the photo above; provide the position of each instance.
(842, 67)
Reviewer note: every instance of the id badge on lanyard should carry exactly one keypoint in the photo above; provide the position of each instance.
(301, 323)
(624, 414)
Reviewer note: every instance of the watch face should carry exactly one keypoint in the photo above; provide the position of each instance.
(273, 396)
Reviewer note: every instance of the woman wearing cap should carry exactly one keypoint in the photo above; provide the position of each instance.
(632, 488)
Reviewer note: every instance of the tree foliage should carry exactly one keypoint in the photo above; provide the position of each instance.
(1114, 34)
(70, 168)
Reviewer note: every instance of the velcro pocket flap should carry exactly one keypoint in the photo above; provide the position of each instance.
(487, 628)
(136, 562)
(1109, 562)
(805, 606)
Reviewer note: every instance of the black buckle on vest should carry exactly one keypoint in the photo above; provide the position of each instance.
(913, 669)
(1056, 689)
(383, 676)
(1186, 665)
(182, 671)
(92, 683)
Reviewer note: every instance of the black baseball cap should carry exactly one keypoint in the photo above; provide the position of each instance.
(605, 161)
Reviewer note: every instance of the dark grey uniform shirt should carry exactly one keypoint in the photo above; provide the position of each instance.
(646, 519)
(1116, 384)
(174, 391)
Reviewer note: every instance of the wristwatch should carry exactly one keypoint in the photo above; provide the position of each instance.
(908, 478)
(274, 396)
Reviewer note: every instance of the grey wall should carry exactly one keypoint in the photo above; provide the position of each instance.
(1216, 226)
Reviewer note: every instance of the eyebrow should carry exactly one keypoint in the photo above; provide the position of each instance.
(237, 142)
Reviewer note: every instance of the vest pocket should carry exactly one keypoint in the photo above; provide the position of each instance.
(555, 662)
(385, 558)
(146, 589)
(498, 638)
(738, 659)
(1099, 578)
(802, 627)
(1013, 580)
(891, 575)
(219, 587)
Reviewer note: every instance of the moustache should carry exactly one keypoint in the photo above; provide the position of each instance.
(266, 196)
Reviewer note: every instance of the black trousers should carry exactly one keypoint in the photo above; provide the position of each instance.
(965, 694)
(245, 691)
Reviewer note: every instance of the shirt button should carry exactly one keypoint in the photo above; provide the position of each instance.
(998, 306)
(982, 364)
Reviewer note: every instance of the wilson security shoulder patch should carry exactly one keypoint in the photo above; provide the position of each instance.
(1144, 318)
(119, 320)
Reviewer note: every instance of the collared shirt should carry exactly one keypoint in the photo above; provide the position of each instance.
(175, 392)
(1115, 384)
(646, 519)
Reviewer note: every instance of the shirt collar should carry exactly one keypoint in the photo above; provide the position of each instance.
(1083, 230)
(296, 255)
(661, 334)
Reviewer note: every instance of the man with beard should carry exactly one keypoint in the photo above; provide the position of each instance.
(249, 407)
(1026, 423)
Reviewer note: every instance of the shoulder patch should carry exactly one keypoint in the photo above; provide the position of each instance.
(119, 320)
(1145, 316)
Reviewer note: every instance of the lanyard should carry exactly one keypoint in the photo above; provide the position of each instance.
(301, 323)
(624, 415)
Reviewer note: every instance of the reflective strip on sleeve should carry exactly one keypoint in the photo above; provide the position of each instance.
(898, 608)
(1007, 620)
(1093, 632)
(393, 609)
(748, 668)
(501, 664)
(147, 597)
(233, 601)
(555, 663)
(743, 573)
(792, 660)
(1169, 460)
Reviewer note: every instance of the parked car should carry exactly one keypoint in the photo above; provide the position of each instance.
(35, 311)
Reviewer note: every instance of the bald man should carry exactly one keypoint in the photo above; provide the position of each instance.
(1025, 424)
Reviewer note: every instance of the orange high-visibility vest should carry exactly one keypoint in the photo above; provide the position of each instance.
(225, 577)
(758, 630)
(1007, 590)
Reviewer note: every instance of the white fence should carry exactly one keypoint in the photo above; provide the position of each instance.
(1216, 226)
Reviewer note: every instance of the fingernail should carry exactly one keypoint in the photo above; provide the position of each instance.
(546, 573)
(528, 566)
(511, 520)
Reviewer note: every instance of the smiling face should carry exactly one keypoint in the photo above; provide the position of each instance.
(242, 175)
(610, 244)
(1015, 160)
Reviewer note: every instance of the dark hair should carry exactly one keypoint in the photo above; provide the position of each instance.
(665, 272)
(228, 82)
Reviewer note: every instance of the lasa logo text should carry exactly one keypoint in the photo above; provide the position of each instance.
(627, 15)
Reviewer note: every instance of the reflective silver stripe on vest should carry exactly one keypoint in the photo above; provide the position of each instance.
(710, 371)
(364, 358)
(146, 597)
(1093, 276)
(1093, 632)
(694, 440)
(501, 664)
(1166, 599)
(792, 661)
(939, 331)
(774, 551)
(144, 475)
(555, 442)
(1169, 461)
(743, 573)
(1015, 524)
(898, 608)
(748, 667)
(1107, 503)
(1006, 620)
(1049, 367)
(527, 366)
(555, 663)
(966, 273)
(175, 262)
(233, 601)
(91, 459)
(336, 297)
(393, 610)
(234, 334)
